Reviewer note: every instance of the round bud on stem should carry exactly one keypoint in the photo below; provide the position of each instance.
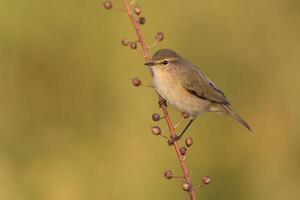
(206, 180)
(186, 186)
(155, 117)
(159, 36)
(136, 82)
(137, 9)
(168, 174)
(189, 141)
(133, 45)
(107, 4)
(183, 150)
(185, 115)
(142, 20)
(156, 130)
(125, 42)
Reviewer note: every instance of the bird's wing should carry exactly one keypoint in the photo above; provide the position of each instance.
(196, 83)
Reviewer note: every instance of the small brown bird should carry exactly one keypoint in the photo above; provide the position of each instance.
(187, 88)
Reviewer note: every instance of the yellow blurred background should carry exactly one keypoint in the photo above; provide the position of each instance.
(73, 127)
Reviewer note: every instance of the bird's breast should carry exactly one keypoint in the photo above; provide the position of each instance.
(169, 87)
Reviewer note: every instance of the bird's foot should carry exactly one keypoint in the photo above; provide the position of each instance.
(172, 139)
(162, 102)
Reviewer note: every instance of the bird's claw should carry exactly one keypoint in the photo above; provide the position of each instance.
(172, 139)
(162, 102)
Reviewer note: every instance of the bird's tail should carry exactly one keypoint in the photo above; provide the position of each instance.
(229, 111)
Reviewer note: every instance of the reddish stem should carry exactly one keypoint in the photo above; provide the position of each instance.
(164, 108)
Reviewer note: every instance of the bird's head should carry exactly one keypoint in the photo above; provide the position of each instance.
(164, 58)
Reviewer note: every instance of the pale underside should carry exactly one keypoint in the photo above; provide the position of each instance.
(172, 90)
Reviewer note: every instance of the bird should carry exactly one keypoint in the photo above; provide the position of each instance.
(187, 88)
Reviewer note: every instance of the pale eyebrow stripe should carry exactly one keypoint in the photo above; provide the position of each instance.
(172, 60)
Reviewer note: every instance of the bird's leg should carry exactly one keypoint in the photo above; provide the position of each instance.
(175, 126)
(187, 126)
(184, 116)
(177, 137)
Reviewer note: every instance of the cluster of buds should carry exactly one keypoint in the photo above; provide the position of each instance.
(185, 185)
(156, 129)
(137, 10)
(132, 44)
(188, 143)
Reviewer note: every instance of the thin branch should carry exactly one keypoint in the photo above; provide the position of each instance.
(146, 55)
(137, 30)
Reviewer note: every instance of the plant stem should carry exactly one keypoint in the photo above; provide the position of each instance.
(146, 55)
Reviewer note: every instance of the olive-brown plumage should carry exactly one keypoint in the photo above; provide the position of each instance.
(186, 87)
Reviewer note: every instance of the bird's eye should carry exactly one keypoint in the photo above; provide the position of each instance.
(165, 62)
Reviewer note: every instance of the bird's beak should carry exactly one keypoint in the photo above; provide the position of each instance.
(150, 63)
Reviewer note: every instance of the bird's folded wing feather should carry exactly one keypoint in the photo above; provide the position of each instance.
(196, 83)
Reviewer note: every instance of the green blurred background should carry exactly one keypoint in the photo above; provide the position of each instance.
(73, 127)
